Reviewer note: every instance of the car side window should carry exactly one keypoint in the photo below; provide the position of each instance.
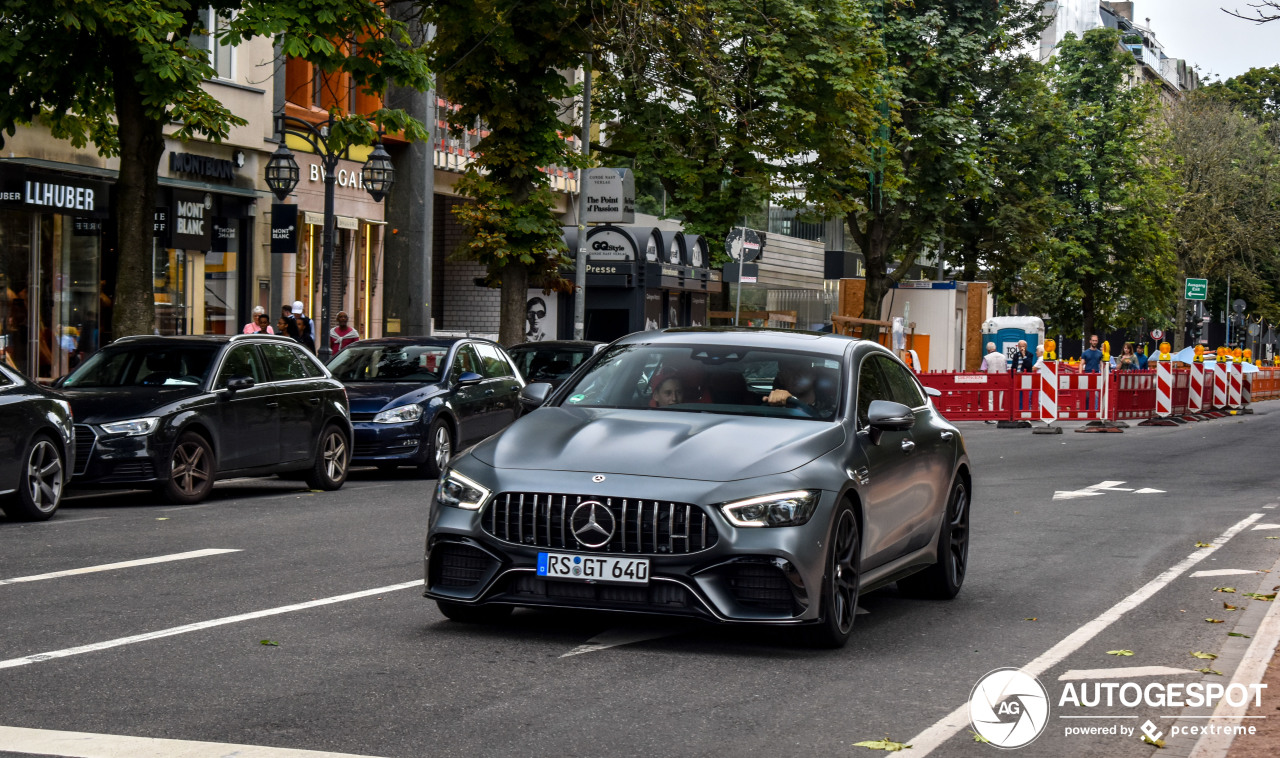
(465, 360)
(283, 362)
(241, 360)
(495, 366)
(871, 386)
(901, 385)
(310, 365)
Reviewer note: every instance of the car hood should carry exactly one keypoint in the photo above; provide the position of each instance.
(98, 405)
(371, 397)
(701, 446)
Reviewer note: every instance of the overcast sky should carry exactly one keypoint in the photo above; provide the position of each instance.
(1200, 32)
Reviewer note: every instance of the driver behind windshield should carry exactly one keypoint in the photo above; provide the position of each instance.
(797, 385)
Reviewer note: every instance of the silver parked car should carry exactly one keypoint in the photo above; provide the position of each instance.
(734, 475)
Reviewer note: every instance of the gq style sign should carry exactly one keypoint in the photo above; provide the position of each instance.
(1197, 289)
(610, 195)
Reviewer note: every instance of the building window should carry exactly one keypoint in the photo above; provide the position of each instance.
(212, 23)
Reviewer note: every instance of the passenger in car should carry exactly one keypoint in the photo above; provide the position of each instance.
(666, 388)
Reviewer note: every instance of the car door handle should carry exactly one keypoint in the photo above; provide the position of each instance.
(313, 400)
(488, 393)
(273, 405)
(908, 446)
(946, 436)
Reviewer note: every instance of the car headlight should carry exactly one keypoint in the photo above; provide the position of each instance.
(133, 427)
(783, 509)
(458, 491)
(401, 415)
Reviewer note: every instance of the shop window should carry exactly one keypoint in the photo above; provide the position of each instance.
(212, 23)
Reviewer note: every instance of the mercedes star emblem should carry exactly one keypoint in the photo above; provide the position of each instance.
(592, 523)
(598, 478)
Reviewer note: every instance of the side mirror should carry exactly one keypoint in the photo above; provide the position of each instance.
(534, 395)
(238, 383)
(469, 377)
(932, 392)
(888, 416)
(59, 381)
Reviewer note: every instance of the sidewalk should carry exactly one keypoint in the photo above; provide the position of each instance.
(1266, 743)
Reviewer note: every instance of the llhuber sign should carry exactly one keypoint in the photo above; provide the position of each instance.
(611, 196)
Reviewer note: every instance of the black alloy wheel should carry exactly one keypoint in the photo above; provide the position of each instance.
(333, 459)
(43, 476)
(440, 449)
(943, 579)
(191, 470)
(841, 583)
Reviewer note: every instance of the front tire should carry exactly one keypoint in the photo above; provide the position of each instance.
(191, 470)
(440, 439)
(42, 480)
(333, 460)
(473, 614)
(942, 580)
(841, 582)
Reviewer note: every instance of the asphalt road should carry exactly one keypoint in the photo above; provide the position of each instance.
(382, 673)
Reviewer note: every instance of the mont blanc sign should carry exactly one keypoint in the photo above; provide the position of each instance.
(610, 196)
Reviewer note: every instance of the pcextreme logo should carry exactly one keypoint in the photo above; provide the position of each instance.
(1009, 708)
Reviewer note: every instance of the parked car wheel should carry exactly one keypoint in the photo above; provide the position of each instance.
(470, 614)
(841, 583)
(191, 470)
(333, 459)
(441, 451)
(943, 579)
(43, 476)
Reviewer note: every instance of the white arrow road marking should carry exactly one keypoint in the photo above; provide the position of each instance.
(953, 723)
(122, 564)
(86, 745)
(185, 628)
(1222, 572)
(620, 636)
(1148, 491)
(1122, 673)
(1101, 487)
(1266, 526)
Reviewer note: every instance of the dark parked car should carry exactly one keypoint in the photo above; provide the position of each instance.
(36, 442)
(551, 361)
(415, 400)
(733, 475)
(176, 413)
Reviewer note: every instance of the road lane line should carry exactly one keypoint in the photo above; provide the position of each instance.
(88, 745)
(1223, 572)
(615, 637)
(199, 625)
(1127, 672)
(123, 564)
(1266, 526)
(953, 723)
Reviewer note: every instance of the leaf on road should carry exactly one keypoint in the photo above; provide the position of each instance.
(1273, 538)
(270, 643)
(1264, 598)
(1203, 544)
(1238, 634)
(1149, 741)
(1031, 618)
(1119, 652)
(1205, 656)
(1224, 589)
(1214, 621)
(886, 745)
(978, 737)
(1230, 607)
(1210, 671)
(162, 518)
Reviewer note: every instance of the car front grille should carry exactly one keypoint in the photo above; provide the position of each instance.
(663, 596)
(85, 440)
(462, 565)
(131, 471)
(641, 527)
(761, 585)
(362, 416)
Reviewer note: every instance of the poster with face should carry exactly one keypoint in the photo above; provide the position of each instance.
(652, 310)
(540, 316)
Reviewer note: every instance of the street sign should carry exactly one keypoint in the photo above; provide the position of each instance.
(1197, 289)
(743, 244)
(610, 196)
(1238, 306)
(1157, 334)
(1254, 330)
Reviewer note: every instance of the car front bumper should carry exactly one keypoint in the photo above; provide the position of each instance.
(117, 460)
(389, 443)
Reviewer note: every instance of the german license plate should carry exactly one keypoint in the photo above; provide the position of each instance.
(593, 568)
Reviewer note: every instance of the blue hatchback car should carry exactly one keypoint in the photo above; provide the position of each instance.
(416, 400)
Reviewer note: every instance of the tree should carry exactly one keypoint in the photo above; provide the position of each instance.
(1268, 10)
(501, 65)
(1109, 261)
(1255, 93)
(725, 102)
(117, 74)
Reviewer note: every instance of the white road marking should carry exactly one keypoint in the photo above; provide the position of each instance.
(1222, 572)
(616, 637)
(953, 723)
(1129, 672)
(1266, 526)
(87, 745)
(199, 625)
(123, 564)
(860, 611)
(1101, 487)
(1250, 671)
(1148, 491)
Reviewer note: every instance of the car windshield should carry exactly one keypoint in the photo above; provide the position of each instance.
(735, 380)
(144, 366)
(389, 363)
(546, 364)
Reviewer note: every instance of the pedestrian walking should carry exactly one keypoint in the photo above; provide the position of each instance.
(1092, 358)
(260, 323)
(298, 327)
(993, 362)
(1127, 360)
(1021, 360)
(342, 335)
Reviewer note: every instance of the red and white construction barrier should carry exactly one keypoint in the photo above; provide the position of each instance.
(1049, 391)
(1164, 388)
(1195, 397)
(1219, 385)
(1236, 391)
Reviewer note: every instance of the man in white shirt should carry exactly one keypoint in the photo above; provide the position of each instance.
(993, 362)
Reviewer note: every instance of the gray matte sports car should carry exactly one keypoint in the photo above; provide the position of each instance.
(733, 475)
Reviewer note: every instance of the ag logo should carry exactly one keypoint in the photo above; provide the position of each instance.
(1009, 708)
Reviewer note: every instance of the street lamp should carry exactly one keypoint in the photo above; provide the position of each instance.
(282, 176)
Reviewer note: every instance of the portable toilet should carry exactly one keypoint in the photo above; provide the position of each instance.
(1006, 331)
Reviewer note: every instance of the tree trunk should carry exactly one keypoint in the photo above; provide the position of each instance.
(515, 298)
(141, 146)
(875, 252)
(1088, 284)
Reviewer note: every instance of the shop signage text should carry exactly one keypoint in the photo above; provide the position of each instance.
(31, 189)
(610, 244)
(345, 178)
(193, 213)
(610, 195)
(202, 165)
(284, 228)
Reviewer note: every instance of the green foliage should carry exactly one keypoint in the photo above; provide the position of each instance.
(1255, 93)
(724, 101)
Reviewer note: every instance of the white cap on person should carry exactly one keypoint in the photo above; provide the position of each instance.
(297, 306)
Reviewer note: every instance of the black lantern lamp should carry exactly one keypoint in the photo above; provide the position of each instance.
(282, 172)
(378, 174)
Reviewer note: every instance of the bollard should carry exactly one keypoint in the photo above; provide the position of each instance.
(1048, 398)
